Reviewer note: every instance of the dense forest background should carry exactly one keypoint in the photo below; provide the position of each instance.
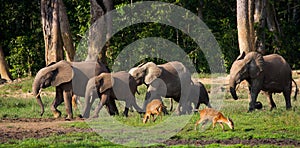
(21, 35)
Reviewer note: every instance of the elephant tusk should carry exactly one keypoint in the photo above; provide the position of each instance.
(39, 93)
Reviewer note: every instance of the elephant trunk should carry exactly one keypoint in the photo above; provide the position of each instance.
(232, 86)
(36, 91)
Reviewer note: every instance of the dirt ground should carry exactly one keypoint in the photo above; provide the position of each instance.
(23, 128)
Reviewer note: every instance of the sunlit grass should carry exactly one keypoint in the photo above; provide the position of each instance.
(260, 124)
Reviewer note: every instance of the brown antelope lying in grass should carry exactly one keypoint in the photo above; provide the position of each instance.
(154, 107)
(209, 114)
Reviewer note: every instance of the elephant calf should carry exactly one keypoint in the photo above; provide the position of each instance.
(120, 86)
(199, 95)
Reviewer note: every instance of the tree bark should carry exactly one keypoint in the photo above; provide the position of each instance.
(260, 21)
(65, 32)
(100, 30)
(96, 32)
(4, 72)
(245, 25)
(272, 22)
(51, 30)
(200, 9)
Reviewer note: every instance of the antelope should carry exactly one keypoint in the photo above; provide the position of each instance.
(209, 114)
(154, 107)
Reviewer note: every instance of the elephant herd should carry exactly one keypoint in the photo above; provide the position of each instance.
(92, 80)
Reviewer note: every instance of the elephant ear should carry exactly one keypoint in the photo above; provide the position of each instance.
(62, 71)
(256, 62)
(105, 81)
(152, 72)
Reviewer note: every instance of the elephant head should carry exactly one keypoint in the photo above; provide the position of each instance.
(146, 73)
(246, 67)
(52, 75)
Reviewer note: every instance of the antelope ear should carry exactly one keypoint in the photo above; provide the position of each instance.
(63, 72)
(105, 81)
(152, 72)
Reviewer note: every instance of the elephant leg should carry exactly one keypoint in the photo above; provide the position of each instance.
(287, 97)
(171, 104)
(254, 89)
(57, 101)
(125, 113)
(271, 101)
(253, 95)
(68, 105)
(111, 107)
(104, 98)
(136, 107)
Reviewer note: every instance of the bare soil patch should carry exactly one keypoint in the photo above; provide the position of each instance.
(22, 128)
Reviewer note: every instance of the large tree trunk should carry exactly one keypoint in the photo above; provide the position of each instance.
(100, 30)
(96, 32)
(4, 73)
(51, 30)
(65, 32)
(245, 10)
(56, 31)
(260, 20)
(272, 23)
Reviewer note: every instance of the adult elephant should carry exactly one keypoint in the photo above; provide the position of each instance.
(69, 79)
(270, 73)
(117, 86)
(170, 80)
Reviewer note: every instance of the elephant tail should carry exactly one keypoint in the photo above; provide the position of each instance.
(296, 91)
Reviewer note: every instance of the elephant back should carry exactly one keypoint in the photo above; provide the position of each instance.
(83, 71)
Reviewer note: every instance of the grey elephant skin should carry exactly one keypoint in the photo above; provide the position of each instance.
(198, 95)
(170, 80)
(270, 73)
(117, 86)
(69, 79)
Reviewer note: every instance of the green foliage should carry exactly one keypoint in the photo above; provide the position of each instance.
(22, 38)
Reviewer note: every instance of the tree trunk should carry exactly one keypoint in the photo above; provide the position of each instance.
(4, 73)
(51, 30)
(96, 32)
(260, 21)
(200, 9)
(272, 23)
(245, 12)
(65, 32)
(100, 30)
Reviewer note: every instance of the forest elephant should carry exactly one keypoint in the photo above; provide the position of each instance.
(116, 86)
(169, 80)
(69, 78)
(270, 73)
(198, 94)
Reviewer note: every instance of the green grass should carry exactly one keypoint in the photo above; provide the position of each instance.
(260, 124)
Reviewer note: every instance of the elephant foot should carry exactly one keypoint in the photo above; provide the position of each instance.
(69, 117)
(250, 110)
(95, 116)
(289, 108)
(56, 114)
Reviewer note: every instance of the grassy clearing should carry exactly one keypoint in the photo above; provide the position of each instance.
(260, 124)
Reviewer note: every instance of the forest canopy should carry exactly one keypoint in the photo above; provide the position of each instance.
(21, 34)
